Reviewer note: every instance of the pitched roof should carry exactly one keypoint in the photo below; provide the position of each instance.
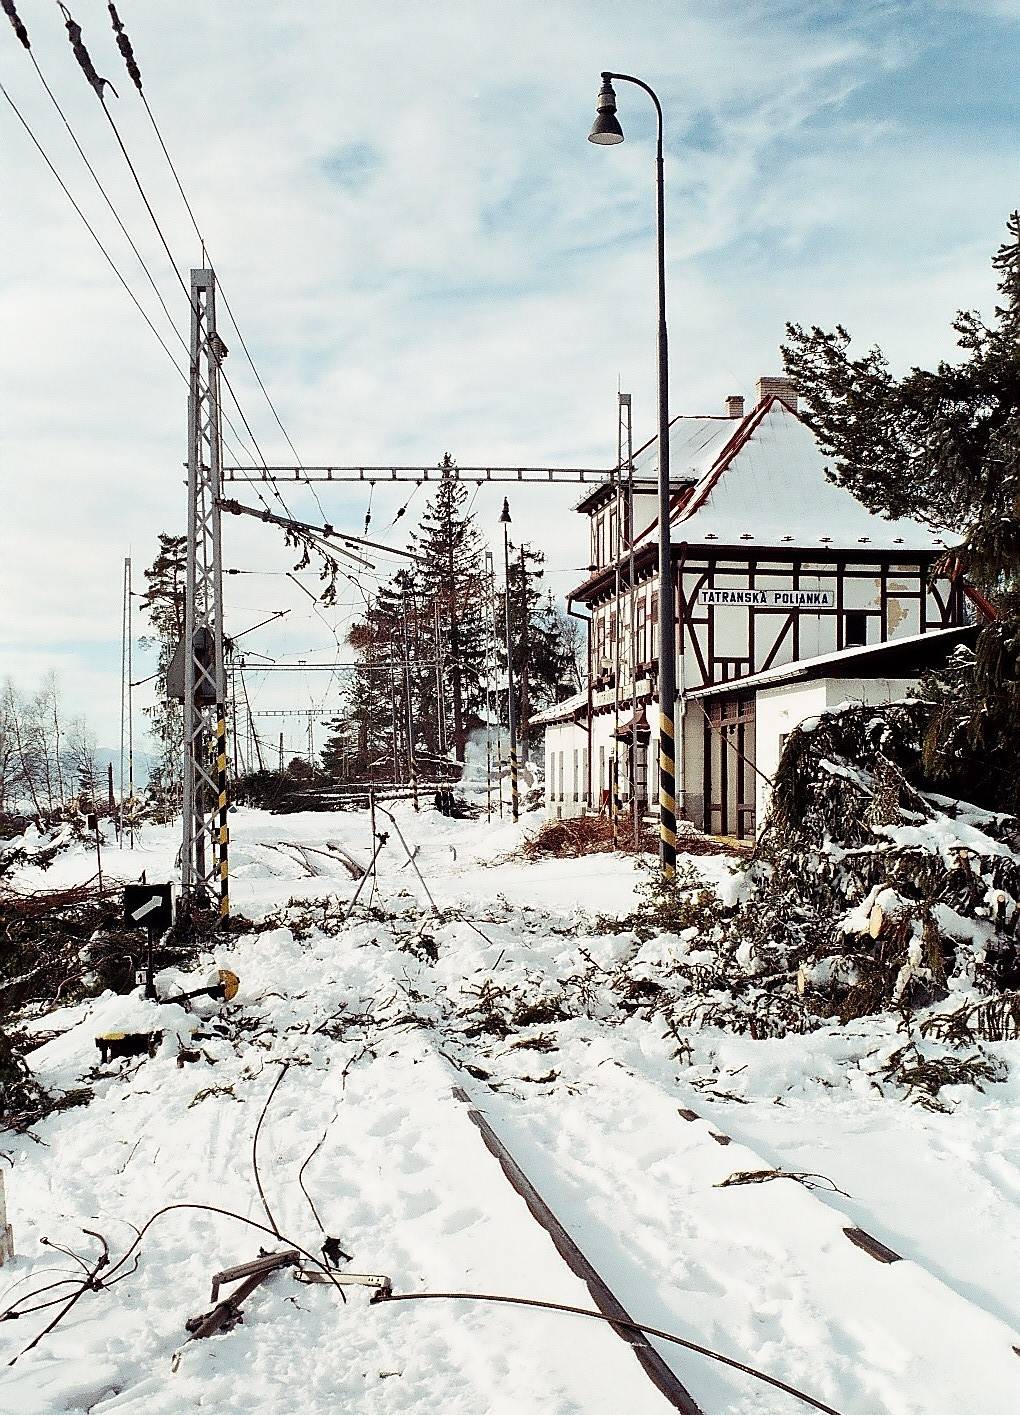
(560, 712)
(694, 442)
(767, 485)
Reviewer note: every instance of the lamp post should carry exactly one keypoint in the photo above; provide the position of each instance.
(515, 804)
(606, 132)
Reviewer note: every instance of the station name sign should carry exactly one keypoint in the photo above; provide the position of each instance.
(816, 600)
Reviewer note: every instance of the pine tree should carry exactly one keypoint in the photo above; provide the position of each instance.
(337, 754)
(940, 445)
(164, 605)
(450, 580)
(943, 446)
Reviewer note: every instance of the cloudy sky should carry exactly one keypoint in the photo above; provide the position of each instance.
(424, 254)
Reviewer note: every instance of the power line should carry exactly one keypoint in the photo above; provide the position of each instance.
(103, 192)
(125, 47)
(99, 86)
(85, 221)
(22, 35)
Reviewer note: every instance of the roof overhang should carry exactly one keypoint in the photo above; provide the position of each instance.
(898, 658)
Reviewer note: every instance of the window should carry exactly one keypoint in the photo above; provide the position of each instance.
(855, 630)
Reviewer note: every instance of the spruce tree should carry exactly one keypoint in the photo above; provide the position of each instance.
(943, 445)
(374, 699)
(450, 576)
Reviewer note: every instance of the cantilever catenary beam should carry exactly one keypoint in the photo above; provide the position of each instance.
(541, 475)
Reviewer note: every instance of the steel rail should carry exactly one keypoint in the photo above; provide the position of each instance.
(662, 1376)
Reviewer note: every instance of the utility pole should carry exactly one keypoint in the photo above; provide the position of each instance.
(398, 776)
(515, 804)
(203, 876)
(525, 656)
(281, 754)
(234, 732)
(412, 766)
(490, 580)
(440, 703)
(127, 730)
(627, 450)
(124, 677)
(615, 797)
(607, 132)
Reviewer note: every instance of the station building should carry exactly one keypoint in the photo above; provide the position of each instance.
(790, 596)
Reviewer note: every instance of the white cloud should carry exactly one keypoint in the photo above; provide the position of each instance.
(426, 255)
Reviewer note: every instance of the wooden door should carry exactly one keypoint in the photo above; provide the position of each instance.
(729, 767)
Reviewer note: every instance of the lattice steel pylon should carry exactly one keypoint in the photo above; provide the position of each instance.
(204, 869)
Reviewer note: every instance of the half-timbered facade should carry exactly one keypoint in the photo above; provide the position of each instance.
(773, 563)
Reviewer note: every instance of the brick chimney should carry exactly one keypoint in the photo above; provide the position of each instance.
(735, 405)
(784, 388)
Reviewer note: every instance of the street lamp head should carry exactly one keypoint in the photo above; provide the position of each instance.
(606, 130)
(504, 519)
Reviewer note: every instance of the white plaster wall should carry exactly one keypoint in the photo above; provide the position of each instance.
(870, 691)
(566, 760)
(779, 710)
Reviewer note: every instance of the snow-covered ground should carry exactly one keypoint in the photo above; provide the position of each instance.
(380, 1019)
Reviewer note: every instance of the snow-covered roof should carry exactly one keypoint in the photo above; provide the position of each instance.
(694, 444)
(911, 649)
(763, 482)
(559, 712)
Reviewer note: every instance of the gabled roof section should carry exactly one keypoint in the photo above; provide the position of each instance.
(767, 486)
(565, 711)
(694, 443)
(770, 483)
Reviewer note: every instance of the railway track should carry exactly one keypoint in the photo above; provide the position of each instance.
(658, 1371)
(855, 1270)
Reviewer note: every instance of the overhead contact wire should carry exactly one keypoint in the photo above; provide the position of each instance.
(88, 226)
(134, 72)
(99, 85)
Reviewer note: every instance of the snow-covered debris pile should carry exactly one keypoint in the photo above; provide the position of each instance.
(865, 894)
(22, 842)
(922, 889)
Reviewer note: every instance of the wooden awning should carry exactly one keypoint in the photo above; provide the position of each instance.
(638, 723)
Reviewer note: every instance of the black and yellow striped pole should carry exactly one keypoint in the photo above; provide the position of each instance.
(606, 132)
(515, 799)
(221, 801)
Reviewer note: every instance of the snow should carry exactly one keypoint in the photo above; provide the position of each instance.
(869, 655)
(775, 490)
(943, 836)
(588, 1098)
